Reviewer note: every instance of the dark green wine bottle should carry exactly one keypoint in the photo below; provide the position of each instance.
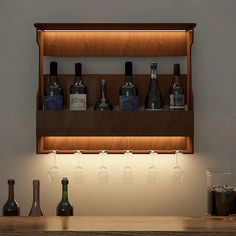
(64, 208)
(11, 207)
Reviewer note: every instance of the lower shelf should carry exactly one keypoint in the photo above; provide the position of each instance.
(114, 131)
(114, 145)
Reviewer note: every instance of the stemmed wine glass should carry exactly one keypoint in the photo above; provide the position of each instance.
(153, 175)
(79, 175)
(54, 173)
(103, 174)
(128, 176)
(177, 174)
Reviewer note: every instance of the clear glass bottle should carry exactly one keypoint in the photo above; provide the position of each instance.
(128, 92)
(11, 207)
(64, 208)
(103, 103)
(35, 209)
(221, 192)
(153, 100)
(78, 91)
(53, 94)
(177, 98)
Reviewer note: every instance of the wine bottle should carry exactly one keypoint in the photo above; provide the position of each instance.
(35, 209)
(64, 208)
(78, 91)
(153, 99)
(53, 94)
(177, 98)
(103, 103)
(128, 92)
(11, 207)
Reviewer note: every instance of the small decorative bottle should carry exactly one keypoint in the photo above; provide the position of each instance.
(64, 208)
(35, 209)
(11, 207)
(103, 103)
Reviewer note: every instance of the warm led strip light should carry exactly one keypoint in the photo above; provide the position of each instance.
(113, 30)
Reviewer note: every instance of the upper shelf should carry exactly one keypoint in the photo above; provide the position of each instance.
(132, 39)
(115, 26)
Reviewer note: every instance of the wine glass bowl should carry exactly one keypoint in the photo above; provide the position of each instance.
(128, 175)
(103, 173)
(177, 175)
(153, 175)
(54, 173)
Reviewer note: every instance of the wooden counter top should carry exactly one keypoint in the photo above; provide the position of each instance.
(117, 225)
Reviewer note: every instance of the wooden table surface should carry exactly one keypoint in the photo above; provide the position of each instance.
(117, 225)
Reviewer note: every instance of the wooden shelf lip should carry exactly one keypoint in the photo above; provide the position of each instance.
(114, 123)
(115, 26)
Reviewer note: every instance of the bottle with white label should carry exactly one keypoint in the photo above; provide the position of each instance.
(78, 91)
(177, 98)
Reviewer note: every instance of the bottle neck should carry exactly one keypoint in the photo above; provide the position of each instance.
(103, 92)
(11, 192)
(153, 74)
(36, 193)
(129, 79)
(53, 79)
(65, 192)
(78, 79)
(177, 79)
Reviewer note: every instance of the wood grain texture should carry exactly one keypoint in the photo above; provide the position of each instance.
(113, 145)
(40, 92)
(114, 123)
(115, 26)
(115, 43)
(114, 82)
(118, 225)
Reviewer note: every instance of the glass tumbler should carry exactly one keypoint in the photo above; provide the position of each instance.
(221, 192)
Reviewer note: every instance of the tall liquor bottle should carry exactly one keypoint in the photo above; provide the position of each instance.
(35, 209)
(11, 207)
(177, 98)
(78, 91)
(64, 208)
(53, 95)
(103, 103)
(128, 92)
(153, 99)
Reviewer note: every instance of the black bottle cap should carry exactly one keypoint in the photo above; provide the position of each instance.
(11, 181)
(78, 69)
(176, 69)
(153, 65)
(128, 68)
(53, 68)
(64, 181)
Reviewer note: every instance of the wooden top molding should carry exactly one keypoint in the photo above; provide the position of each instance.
(115, 26)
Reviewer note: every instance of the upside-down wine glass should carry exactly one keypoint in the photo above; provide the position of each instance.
(128, 175)
(177, 174)
(103, 174)
(153, 175)
(79, 175)
(54, 173)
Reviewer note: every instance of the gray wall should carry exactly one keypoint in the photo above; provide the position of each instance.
(214, 95)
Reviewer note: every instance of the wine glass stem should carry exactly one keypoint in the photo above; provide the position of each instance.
(54, 160)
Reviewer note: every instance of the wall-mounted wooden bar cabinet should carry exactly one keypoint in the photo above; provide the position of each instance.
(91, 131)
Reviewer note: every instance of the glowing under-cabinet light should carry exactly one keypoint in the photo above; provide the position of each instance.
(114, 30)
